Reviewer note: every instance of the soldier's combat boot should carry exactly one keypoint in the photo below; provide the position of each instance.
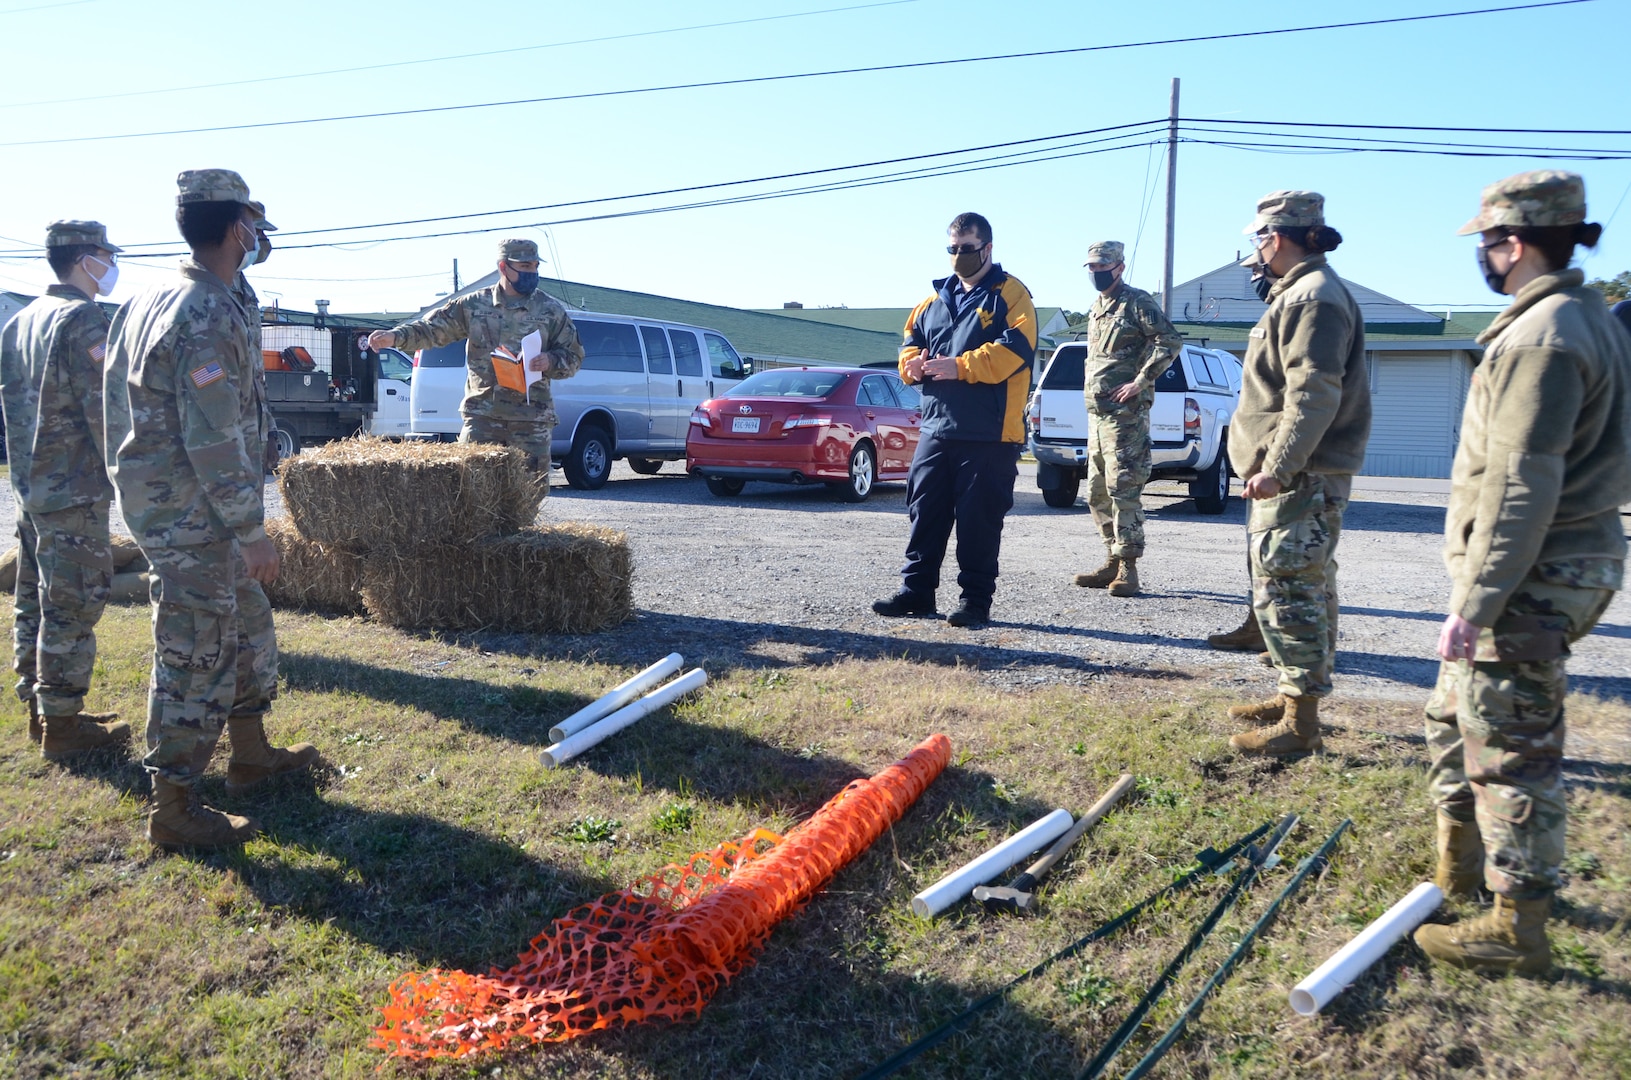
(35, 731)
(1102, 577)
(67, 736)
(1298, 731)
(1126, 583)
(1512, 937)
(254, 760)
(179, 820)
(1260, 714)
(1247, 637)
(1460, 857)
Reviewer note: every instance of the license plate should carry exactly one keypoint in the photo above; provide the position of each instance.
(749, 424)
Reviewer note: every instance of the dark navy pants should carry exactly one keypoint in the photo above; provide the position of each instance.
(966, 484)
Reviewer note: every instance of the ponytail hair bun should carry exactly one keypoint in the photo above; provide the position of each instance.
(1587, 233)
(1322, 238)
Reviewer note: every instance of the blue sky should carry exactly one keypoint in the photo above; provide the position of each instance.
(876, 246)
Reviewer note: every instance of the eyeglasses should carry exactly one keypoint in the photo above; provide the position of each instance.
(1487, 245)
(964, 249)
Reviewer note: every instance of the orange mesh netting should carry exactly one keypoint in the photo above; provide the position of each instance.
(660, 948)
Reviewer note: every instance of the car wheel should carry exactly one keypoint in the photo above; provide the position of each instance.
(645, 466)
(1063, 497)
(286, 441)
(589, 461)
(726, 487)
(863, 473)
(1210, 489)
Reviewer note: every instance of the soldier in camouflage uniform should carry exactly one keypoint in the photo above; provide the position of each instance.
(1130, 344)
(497, 317)
(183, 420)
(1535, 550)
(51, 356)
(1297, 438)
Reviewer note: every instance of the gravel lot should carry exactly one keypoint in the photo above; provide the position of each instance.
(787, 575)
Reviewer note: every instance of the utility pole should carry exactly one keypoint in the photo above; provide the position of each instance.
(1172, 197)
(456, 266)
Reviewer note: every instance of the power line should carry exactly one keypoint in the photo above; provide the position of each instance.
(1407, 127)
(46, 7)
(439, 59)
(1031, 55)
(1126, 129)
(1291, 148)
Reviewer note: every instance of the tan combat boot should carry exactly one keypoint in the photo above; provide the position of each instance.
(35, 731)
(254, 760)
(1247, 637)
(1101, 577)
(1298, 731)
(1262, 713)
(179, 820)
(1126, 583)
(1512, 937)
(68, 736)
(1460, 857)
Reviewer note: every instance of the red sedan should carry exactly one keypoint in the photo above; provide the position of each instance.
(845, 427)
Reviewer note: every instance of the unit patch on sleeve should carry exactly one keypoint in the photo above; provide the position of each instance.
(207, 374)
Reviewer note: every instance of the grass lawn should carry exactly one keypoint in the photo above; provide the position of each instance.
(431, 837)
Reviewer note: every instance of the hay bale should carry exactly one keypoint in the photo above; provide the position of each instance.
(570, 578)
(8, 570)
(313, 576)
(369, 494)
(131, 587)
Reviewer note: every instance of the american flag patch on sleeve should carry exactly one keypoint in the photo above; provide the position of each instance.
(207, 374)
(98, 351)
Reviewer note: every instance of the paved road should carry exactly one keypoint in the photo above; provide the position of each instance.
(787, 575)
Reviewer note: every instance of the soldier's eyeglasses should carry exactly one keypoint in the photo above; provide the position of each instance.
(964, 249)
(1488, 244)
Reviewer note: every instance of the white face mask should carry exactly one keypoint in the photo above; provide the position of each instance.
(253, 251)
(106, 280)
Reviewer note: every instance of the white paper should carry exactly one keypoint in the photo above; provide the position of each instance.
(531, 346)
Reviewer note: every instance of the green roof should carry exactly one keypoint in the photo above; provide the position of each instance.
(754, 333)
(1393, 333)
(886, 320)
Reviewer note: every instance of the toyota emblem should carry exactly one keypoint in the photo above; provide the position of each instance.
(745, 408)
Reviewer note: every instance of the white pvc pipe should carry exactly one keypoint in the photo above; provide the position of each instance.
(573, 745)
(960, 882)
(1336, 974)
(619, 696)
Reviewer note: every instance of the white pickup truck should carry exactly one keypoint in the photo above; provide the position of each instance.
(1189, 425)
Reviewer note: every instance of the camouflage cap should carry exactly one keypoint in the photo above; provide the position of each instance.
(260, 216)
(64, 233)
(1106, 253)
(1288, 209)
(1540, 199)
(210, 185)
(517, 250)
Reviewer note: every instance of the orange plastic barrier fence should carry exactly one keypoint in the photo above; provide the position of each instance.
(660, 948)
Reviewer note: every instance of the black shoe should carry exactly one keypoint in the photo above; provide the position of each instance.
(905, 604)
(969, 613)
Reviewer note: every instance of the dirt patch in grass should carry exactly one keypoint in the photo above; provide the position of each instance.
(432, 837)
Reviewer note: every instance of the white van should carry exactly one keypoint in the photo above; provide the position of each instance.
(631, 399)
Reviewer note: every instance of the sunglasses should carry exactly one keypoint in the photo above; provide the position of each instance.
(964, 249)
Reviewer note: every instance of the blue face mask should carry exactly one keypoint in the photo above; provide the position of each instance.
(526, 281)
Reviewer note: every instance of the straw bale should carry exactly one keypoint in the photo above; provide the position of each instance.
(368, 494)
(313, 576)
(8, 570)
(570, 578)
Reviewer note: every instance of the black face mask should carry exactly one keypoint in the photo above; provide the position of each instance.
(1262, 283)
(1496, 281)
(1103, 279)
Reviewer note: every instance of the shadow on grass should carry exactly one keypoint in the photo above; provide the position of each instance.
(408, 883)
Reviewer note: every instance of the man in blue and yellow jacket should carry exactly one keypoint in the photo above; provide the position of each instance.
(970, 346)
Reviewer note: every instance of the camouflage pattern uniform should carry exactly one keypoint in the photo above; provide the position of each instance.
(51, 357)
(1130, 340)
(495, 318)
(183, 422)
(1534, 545)
(1304, 419)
